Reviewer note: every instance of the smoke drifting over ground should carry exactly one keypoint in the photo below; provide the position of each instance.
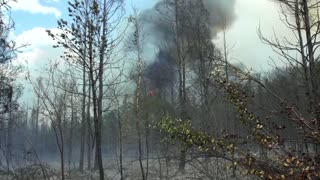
(209, 17)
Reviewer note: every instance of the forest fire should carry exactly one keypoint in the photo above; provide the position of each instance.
(161, 93)
(152, 93)
(160, 74)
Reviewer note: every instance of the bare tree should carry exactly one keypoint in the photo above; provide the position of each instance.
(73, 118)
(89, 43)
(90, 137)
(136, 45)
(54, 102)
(302, 18)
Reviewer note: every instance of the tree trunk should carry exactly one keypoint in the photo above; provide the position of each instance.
(83, 120)
(138, 97)
(70, 148)
(62, 156)
(147, 148)
(312, 64)
(89, 131)
(9, 140)
(36, 138)
(181, 73)
(60, 142)
(98, 122)
(120, 145)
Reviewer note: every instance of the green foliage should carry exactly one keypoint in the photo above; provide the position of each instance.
(182, 131)
(281, 163)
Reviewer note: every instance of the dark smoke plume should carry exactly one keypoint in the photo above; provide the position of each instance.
(159, 19)
(161, 72)
(211, 16)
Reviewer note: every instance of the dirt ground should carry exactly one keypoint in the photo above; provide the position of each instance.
(196, 169)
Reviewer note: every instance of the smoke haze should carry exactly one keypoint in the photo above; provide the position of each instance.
(208, 17)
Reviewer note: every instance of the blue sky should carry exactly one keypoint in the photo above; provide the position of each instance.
(45, 13)
(33, 17)
(27, 18)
